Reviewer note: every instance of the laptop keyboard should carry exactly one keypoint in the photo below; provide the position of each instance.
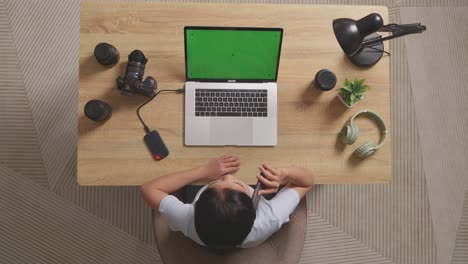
(231, 102)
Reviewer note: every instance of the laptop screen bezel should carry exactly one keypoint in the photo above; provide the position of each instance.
(232, 28)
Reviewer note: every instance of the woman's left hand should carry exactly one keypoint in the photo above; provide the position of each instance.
(271, 179)
(227, 164)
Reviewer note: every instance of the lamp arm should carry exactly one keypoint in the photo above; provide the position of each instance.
(397, 31)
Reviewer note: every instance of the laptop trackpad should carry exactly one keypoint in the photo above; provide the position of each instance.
(231, 131)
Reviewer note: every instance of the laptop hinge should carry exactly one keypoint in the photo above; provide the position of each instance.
(231, 81)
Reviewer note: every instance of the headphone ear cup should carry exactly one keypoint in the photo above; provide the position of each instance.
(365, 150)
(349, 134)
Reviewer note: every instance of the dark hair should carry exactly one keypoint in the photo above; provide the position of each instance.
(223, 218)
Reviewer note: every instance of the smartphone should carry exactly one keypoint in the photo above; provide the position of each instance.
(256, 196)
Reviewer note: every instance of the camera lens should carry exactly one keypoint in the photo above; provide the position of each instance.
(325, 80)
(106, 54)
(98, 110)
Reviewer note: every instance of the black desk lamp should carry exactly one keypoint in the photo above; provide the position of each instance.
(359, 41)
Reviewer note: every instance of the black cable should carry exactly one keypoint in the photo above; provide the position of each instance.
(376, 44)
(386, 52)
(147, 130)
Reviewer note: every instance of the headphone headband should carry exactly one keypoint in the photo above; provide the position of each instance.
(379, 121)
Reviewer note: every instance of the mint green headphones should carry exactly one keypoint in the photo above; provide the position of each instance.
(350, 132)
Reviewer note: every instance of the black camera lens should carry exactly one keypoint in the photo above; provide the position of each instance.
(106, 54)
(98, 110)
(136, 65)
(325, 80)
(132, 82)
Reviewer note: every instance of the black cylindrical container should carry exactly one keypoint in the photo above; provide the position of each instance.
(325, 80)
(98, 110)
(106, 54)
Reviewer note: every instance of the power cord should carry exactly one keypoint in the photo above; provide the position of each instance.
(147, 130)
(386, 52)
(390, 27)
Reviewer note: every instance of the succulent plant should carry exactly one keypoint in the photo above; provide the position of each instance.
(352, 91)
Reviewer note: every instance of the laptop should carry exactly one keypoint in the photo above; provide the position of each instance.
(230, 89)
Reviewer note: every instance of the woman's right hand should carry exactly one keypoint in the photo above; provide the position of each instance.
(271, 178)
(215, 168)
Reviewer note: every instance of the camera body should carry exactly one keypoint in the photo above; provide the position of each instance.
(132, 82)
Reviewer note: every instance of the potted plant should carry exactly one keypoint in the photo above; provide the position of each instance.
(352, 92)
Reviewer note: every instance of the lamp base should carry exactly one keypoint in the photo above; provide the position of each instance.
(368, 56)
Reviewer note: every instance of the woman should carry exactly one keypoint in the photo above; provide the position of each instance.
(222, 215)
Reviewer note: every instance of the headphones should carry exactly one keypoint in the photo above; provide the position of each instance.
(350, 133)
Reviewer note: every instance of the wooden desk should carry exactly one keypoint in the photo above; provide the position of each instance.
(309, 121)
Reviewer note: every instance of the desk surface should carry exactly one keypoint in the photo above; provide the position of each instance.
(309, 121)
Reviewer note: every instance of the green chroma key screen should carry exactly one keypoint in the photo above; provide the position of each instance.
(232, 53)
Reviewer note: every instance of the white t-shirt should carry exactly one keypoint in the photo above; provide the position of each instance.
(271, 215)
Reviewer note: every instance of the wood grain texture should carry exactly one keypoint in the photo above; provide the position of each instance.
(309, 121)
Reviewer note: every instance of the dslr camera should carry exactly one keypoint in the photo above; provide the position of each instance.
(132, 82)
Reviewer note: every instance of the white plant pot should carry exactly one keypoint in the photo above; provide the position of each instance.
(343, 101)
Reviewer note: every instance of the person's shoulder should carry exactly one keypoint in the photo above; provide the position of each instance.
(288, 192)
(266, 223)
(271, 215)
(179, 215)
(170, 202)
(279, 208)
(170, 199)
(265, 212)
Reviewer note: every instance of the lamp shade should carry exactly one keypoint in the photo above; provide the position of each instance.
(351, 33)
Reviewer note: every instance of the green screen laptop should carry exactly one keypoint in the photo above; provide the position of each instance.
(231, 91)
